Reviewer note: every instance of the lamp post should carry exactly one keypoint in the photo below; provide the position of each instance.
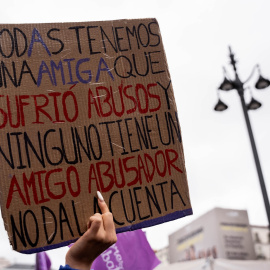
(236, 84)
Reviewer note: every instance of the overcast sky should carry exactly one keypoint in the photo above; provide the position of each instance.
(196, 34)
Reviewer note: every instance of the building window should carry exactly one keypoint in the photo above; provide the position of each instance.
(257, 238)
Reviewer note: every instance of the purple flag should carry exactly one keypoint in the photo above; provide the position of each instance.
(132, 251)
(42, 261)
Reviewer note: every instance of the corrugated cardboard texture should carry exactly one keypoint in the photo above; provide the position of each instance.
(86, 107)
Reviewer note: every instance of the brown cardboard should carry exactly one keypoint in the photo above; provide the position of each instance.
(86, 107)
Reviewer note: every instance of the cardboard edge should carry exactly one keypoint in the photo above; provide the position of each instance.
(156, 221)
(82, 22)
(144, 224)
(50, 247)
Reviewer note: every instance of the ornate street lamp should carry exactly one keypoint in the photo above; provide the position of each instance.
(236, 84)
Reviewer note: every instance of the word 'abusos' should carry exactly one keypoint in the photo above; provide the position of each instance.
(57, 107)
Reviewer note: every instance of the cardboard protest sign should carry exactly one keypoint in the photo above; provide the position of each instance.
(86, 107)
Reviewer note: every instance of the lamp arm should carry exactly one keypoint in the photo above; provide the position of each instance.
(226, 75)
(252, 73)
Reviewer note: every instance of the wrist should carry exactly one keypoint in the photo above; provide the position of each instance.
(78, 264)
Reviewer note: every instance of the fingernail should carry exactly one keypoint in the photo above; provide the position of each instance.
(100, 196)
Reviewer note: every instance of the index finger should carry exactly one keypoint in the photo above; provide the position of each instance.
(102, 204)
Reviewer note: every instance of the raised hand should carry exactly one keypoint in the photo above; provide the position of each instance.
(99, 236)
